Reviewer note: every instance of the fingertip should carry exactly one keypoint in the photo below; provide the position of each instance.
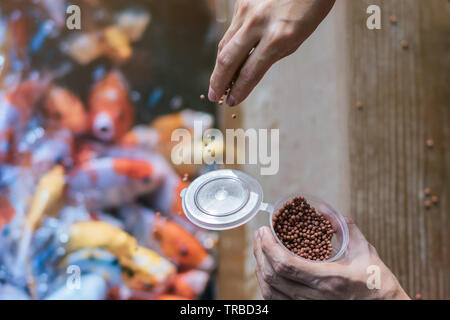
(212, 96)
(266, 235)
(231, 101)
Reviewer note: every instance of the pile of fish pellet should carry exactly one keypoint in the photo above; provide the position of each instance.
(303, 230)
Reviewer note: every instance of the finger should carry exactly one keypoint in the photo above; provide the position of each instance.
(290, 267)
(291, 289)
(229, 60)
(250, 74)
(236, 24)
(357, 241)
(239, 13)
(287, 287)
(267, 292)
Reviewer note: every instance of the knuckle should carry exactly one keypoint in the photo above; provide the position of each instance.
(220, 46)
(244, 5)
(336, 284)
(247, 77)
(281, 41)
(279, 267)
(268, 276)
(224, 60)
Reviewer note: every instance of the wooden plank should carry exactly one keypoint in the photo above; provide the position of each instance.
(406, 96)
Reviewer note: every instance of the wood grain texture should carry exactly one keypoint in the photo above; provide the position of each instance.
(406, 95)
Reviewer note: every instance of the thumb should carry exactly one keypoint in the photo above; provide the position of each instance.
(357, 243)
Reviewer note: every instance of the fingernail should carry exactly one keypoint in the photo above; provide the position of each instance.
(212, 95)
(231, 101)
(255, 235)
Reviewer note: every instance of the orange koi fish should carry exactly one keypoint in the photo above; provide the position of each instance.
(185, 119)
(179, 246)
(66, 110)
(166, 198)
(108, 182)
(190, 284)
(111, 111)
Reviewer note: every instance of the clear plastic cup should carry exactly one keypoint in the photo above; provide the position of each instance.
(340, 237)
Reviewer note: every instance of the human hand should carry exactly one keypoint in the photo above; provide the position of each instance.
(274, 29)
(284, 276)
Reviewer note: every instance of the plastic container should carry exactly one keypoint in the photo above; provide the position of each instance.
(227, 199)
(340, 238)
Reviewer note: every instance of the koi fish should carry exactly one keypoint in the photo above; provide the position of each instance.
(190, 284)
(143, 269)
(180, 246)
(66, 110)
(84, 47)
(110, 181)
(15, 111)
(117, 43)
(140, 137)
(47, 197)
(133, 23)
(185, 119)
(111, 111)
(95, 260)
(94, 287)
(173, 240)
(166, 197)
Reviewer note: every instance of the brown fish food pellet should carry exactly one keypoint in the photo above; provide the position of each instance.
(404, 44)
(435, 199)
(359, 105)
(303, 230)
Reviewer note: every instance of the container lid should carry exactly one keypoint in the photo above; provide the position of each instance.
(222, 199)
